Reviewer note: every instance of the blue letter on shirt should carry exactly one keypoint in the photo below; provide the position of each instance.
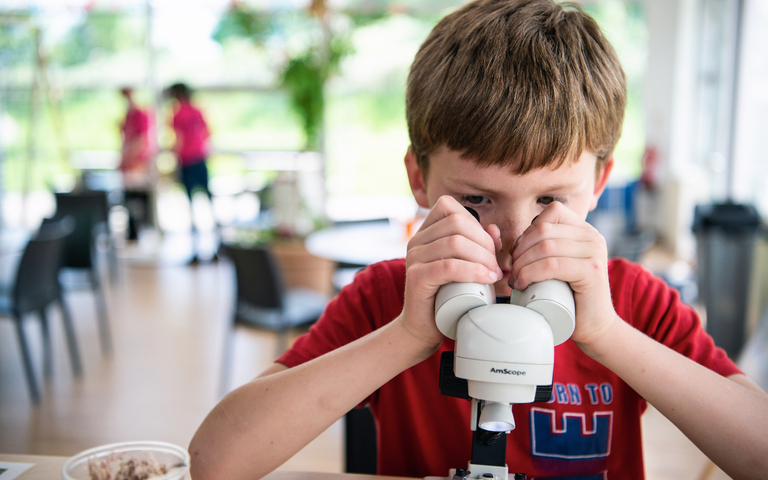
(573, 442)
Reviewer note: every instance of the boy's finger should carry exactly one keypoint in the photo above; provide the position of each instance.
(556, 212)
(550, 231)
(443, 207)
(455, 225)
(495, 232)
(567, 269)
(435, 274)
(455, 247)
(447, 218)
(555, 248)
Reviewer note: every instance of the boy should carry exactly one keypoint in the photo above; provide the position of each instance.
(514, 107)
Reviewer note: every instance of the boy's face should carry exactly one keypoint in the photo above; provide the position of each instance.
(506, 199)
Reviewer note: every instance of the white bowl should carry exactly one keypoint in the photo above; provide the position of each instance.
(76, 468)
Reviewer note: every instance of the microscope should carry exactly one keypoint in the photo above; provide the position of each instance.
(504, 355)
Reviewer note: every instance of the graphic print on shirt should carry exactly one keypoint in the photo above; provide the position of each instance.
(573, 440)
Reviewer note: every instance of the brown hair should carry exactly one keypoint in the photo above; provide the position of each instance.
(522, 83)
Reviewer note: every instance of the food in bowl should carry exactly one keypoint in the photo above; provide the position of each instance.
(129, 461)
(119, 467)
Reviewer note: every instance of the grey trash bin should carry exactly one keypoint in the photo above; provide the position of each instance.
(725, 240)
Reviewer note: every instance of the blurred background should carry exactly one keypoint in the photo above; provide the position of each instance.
(270, 77)
(328, 78)
(304, 101)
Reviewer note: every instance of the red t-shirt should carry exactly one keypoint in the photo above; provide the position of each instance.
(590, 429)
(137, 125)
(192, 131)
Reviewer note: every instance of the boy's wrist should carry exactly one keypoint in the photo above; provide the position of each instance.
(601, 341)
(411, 343)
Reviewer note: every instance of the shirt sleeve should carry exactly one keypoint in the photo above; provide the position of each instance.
(655, 308)
(373, 299)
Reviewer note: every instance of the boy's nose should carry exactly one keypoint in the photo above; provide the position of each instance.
(510, 231)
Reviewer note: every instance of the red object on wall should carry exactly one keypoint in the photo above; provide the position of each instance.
(651, 164)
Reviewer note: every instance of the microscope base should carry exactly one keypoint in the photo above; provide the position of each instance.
(481, 471)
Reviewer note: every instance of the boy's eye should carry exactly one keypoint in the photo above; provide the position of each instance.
(546, 200)
(473, 199)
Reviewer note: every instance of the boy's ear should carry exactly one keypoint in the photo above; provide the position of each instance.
(416, 179)
(601, 181)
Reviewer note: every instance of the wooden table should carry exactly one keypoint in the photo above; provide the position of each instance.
(49, 468)
(45, 467)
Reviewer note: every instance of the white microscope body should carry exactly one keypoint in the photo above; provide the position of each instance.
(504, 351)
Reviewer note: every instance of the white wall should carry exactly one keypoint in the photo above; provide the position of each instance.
(690, 126)
(669, 124)
(750, 179)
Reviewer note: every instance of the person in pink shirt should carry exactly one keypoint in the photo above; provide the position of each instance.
(136, 129)
(192, 140)
(136, 154)
(191, 146)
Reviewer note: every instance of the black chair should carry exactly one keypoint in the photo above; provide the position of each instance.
(263, 301)
(35, 288)
(90, 210)
(138, 203)
(360, 435)
(360, 442)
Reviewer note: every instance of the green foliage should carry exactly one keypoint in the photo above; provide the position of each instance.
(97, 114)
(237, 22)
(96, 33)
(251, 120)
(364, 19)
(307, 70)
(304, 78)
(17, 44)
(624, 25)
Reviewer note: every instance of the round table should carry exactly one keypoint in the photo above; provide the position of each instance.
(359, 244)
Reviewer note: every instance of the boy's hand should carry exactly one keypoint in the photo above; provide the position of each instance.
(450, 246)
(559, 244)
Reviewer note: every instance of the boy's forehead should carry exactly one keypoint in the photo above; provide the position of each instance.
(492, 181)
(461, 175)
(452, 166)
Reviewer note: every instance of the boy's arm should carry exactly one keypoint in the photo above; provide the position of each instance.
(727, 418)
(259, 426)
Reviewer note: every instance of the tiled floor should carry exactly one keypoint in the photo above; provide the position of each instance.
(168, 322)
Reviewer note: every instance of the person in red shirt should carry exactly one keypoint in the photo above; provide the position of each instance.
(514, 108)
(191, 145)
(136, 155)
(137, 135)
